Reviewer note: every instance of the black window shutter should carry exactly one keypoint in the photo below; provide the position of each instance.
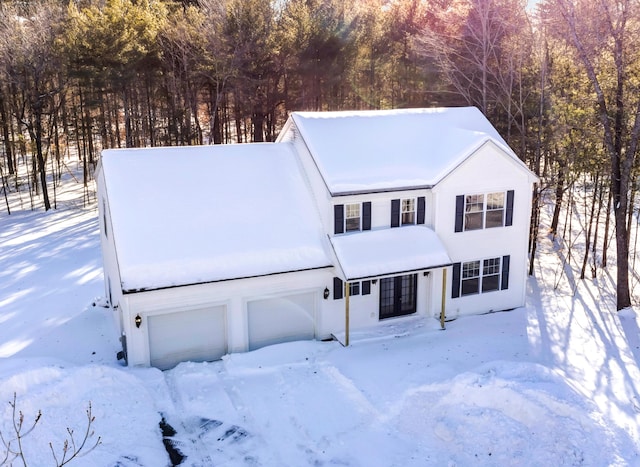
(508, 219)
(366, 287)
(338, 218)
(366, 215)
(459, 213)
(505, 272)
(455, 281)
(420, 210)
(395, 213)
(337, 288)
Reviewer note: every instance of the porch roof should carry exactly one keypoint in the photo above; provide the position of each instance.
(389, 252)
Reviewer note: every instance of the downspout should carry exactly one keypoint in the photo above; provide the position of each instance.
(444, 295)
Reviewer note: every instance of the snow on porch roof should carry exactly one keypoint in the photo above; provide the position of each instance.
(188, 215)
(369, 151)
(389, 251)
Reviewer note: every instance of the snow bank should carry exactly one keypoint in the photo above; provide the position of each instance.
(126, 418)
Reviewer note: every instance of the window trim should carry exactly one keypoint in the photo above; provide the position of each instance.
(473, 272)
(488, 210)
(347, 218)
(412, 203)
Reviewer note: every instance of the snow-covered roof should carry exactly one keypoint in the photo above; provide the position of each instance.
(389, 251)
(187, 215)
(369, 151)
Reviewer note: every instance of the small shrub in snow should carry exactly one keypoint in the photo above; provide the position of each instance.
(12, 446)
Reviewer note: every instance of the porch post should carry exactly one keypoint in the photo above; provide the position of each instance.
(346, 313)
(444, 296)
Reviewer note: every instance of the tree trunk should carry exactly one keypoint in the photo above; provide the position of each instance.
(559, 194)
(257, 122)
(42, 169)
(588, 238)
(594, 267)
(5, 136)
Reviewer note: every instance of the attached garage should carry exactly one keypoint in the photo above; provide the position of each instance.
(190, 335)
(281, 319)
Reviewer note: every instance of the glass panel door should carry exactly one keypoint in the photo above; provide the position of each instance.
(398, 296)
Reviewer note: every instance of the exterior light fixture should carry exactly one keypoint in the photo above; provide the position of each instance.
(138, 320)
(326, 293)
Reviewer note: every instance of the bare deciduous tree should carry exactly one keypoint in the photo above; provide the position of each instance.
(603, 34)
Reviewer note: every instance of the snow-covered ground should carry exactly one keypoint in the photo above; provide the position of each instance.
(554, 383)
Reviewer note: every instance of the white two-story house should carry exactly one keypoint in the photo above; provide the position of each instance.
(348, 220)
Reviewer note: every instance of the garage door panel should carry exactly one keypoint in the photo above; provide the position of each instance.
(193, 335)
(281, 319)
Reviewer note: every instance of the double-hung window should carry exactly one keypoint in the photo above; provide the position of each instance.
(473, 212)
(494, 216)
(354, 288)
(408, 211)
(470, 278)
(408, 215)
(490, 274)
(484, 210)
(480, 276)
(352, 217)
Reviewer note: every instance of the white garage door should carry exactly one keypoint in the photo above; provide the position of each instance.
(194, 335)
(281, 319)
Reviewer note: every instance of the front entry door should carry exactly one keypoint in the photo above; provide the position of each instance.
(398, 296)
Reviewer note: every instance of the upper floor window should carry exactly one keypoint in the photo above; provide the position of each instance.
(352, 217)
(408, 211)
(495, 210)
(484, 211)
(473, 212)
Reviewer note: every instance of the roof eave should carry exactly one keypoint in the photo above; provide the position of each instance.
(337, 194)
(175, 286)
(398, 273)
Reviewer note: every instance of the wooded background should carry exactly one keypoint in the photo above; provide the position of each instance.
(561, 82)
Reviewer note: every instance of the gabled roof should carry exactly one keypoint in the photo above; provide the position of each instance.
(383, 150)
(187, 215)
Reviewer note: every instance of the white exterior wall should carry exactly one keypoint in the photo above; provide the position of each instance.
(364, 309)
(315, 182)
(488, 170)
(112, 282)
(380, 207)
(233, 294)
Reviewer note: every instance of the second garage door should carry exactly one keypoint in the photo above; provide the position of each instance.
(192, 335)
(281, 319)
